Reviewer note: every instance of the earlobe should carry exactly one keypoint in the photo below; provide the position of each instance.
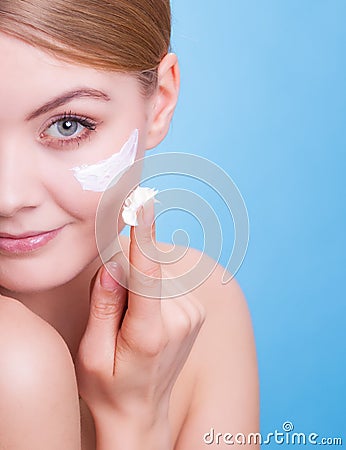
(164, 100)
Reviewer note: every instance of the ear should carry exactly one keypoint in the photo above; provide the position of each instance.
(163, 101)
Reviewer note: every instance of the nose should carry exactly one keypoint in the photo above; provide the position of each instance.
(18, 179)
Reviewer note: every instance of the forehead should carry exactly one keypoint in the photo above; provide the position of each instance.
(31, 76)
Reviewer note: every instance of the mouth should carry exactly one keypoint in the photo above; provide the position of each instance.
(26, 242)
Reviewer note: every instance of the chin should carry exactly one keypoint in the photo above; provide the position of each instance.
(37, 274)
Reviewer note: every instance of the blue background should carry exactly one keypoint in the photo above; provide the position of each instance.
(263, 96)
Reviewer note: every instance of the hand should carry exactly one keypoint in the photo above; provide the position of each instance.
(135, 343)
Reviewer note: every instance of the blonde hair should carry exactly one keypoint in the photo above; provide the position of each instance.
(113, 35)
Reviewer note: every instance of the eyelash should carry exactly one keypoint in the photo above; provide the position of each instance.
(89, 125)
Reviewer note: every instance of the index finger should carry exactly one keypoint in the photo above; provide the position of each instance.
(144, 299)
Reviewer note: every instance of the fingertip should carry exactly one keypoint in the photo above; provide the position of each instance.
(146, 213)
(111, 274)
(145, 232)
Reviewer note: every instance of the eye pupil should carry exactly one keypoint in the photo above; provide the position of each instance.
(67, 127)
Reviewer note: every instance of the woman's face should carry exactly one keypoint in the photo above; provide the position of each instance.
(38, 147)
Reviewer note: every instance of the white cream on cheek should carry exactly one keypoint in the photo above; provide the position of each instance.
(102, 175)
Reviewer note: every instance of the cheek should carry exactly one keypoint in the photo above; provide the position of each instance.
(78, 188)
(94, 217)
(108, 221)
(99, 176)
(96, 214)
(65, 191)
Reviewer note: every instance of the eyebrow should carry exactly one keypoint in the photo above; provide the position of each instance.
(67, 97)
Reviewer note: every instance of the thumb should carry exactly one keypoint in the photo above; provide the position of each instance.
(108, 299)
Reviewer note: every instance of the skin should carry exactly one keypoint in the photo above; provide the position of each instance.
(183, 365)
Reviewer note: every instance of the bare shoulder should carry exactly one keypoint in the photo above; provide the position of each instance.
(204, 278)
(218, 386)
(38, 388)
(33, 353)
(21, 326)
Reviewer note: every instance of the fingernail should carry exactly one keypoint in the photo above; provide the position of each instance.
(109, 276)
(148, 212)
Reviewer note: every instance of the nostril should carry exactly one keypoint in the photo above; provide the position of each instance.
(15, 198)
(9, 209)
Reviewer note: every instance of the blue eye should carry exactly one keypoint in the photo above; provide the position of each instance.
(67, 130)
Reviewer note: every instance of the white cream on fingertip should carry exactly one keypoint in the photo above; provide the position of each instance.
(134, 201)
(102, 175)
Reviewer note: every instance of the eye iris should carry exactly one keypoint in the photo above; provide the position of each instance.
(67, 127)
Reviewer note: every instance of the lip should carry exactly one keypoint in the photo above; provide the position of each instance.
(26, 242)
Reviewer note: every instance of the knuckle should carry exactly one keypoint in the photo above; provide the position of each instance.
(89, 362)
(150, 275)
(151, 346)
(103, 309)
(144, 241)
(154, 347)
(82, 363)
(203, 314)
(146, 237)
(198, 314)
(183, 325)
(153, 271)
(148, 280)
